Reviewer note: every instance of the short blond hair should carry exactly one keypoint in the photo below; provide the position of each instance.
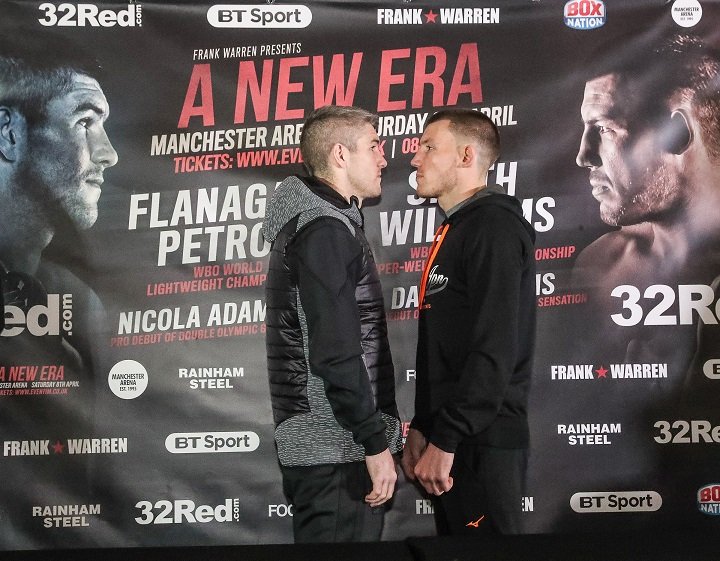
(327, 126)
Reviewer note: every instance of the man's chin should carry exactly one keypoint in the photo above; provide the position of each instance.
(622, 217)
(611, 216)
(83, 218)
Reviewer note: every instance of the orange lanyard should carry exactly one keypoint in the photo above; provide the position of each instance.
(434, 248)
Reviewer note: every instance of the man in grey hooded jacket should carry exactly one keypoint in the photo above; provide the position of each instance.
(329, 363)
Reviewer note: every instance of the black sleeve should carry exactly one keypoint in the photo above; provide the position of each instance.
(327, 260)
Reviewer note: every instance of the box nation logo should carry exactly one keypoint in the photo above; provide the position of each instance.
(708, 499)
(585, 14)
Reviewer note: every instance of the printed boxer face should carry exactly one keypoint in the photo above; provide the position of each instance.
(628, 174)
(69, 151)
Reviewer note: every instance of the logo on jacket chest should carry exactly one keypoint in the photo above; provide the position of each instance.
(436, 281)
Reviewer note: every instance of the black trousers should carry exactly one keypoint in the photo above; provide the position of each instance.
(486, 497)
(328, 503)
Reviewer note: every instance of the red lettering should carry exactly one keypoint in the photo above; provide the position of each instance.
(432, 78)
(335, 93)
(200, 79)
(467, 68)
(584, 8)
(387, 79)
(468, 59)
(260, 93)
(286, 87)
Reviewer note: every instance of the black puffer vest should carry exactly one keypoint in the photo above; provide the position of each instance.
(306, 431)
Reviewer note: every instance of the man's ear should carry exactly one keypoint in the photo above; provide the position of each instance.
(337, 155)
(12, 126)
(468, 155)
(676, 133)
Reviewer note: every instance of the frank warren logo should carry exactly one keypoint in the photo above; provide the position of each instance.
(259, 16)
(445, 16)
(88, 15)
(71, 446)
(585, 14)
(211, 442)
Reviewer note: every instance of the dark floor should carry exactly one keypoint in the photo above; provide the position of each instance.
(665, 546)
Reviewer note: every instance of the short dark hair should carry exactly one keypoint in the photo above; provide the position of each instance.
(652, 71)
(37, 67)
(473, 125)
(328, 126)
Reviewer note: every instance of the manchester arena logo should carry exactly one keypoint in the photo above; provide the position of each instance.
(585, 14)
(708, 499)
(443, 16)
(259, 16)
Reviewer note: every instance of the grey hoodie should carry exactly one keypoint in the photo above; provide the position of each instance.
(329, 362)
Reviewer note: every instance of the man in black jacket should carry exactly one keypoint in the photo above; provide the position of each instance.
(332, 381)
(468, 440)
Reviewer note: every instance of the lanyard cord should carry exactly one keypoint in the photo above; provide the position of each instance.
(434, 248)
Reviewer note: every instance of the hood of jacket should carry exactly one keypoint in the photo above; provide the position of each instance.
(495, 195)
(296, 195)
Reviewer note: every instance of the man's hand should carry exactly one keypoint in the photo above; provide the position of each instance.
(433, 470)
(415, 444)
(381, 468)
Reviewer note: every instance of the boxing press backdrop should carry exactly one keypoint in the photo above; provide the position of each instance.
(158, 430)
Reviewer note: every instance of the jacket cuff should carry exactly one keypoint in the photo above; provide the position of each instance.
(422, 425)
(445, 438)
(375, 444)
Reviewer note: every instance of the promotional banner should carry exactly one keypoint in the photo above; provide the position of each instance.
(140, 144)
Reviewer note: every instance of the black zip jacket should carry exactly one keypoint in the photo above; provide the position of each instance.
(477, 328)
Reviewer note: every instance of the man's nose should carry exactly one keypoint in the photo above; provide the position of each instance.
(103, 151)
(588, 156)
